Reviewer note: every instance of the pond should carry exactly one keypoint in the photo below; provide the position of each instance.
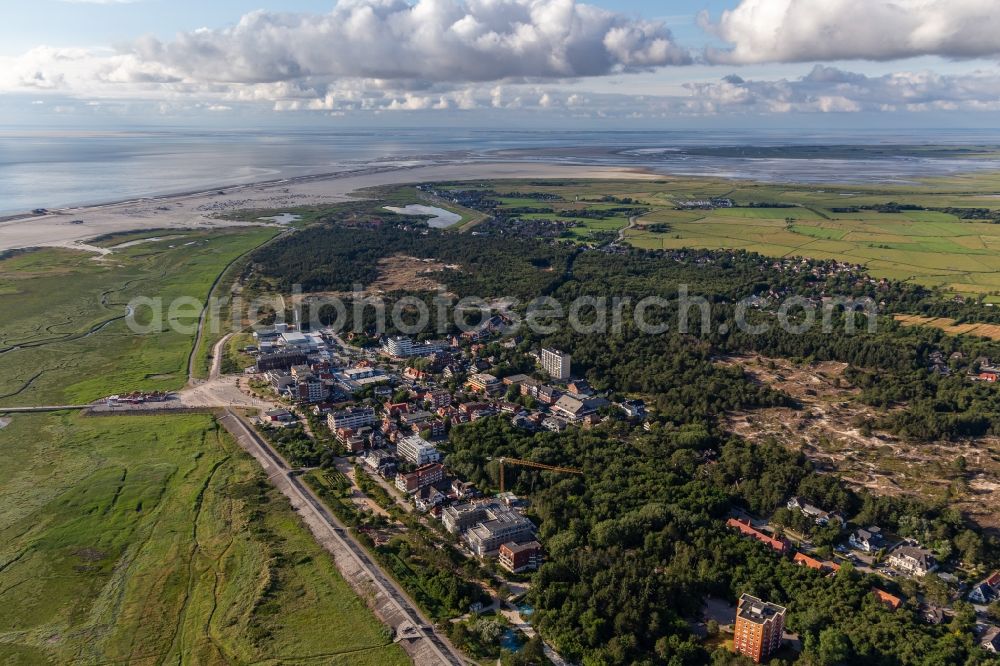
(441, 218)
(284, 218)
(511, 641)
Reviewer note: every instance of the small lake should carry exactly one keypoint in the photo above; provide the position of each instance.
(441, 218)
(284, 218)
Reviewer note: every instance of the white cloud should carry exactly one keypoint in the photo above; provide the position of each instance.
(432, 40)
(817, 30)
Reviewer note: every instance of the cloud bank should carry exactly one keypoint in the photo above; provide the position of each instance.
(817, 30)
(432, 40)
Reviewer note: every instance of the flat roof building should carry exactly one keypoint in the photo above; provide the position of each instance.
(556, 363)
(759, 628)
(417, 451)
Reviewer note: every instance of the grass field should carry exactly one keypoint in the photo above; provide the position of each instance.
(64, 333)
(149, 540)
(929, 247)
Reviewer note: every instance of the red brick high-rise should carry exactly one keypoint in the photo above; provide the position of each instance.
(759, 628)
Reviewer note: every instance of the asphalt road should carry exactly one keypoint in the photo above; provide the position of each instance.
(414, 631)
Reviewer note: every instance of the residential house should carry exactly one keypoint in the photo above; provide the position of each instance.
(986, 591)
(428, 497)
(912, 560)
(990, 640)
(463, 489)
(867, 540)
(633, 409)
(890, 600)
(812, 563)
(818, 515)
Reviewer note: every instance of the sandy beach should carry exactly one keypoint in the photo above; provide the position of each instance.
(73, 227)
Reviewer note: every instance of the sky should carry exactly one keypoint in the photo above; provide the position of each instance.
(497, 63)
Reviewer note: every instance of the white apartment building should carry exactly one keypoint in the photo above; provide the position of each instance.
(556, 363)
(351, 418)
(417, 451)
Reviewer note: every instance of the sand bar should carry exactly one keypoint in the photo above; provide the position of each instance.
(72, 227)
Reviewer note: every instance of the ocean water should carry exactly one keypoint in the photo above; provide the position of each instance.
(57, 168)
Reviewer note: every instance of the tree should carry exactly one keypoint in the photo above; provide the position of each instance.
(834, 648)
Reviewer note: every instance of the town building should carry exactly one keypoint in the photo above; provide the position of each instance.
(354, 418)
(487, 526)
(424, 475)
(438, 398)
(519, 557)
(576, 409)
(381, 462)
(459, 517)
(404, 347)
(279, 415)
(484, 383)
(417, 451)
(282, 360)
(778, 545)
(517, 380)
(309, 388)
(759, 628)
(912, 560)
(556, 363)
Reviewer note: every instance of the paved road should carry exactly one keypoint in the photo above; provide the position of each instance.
(414, 631)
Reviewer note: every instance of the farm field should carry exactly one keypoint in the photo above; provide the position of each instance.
(935, 248)
(950, 326)
(148, 540)
(65, 339)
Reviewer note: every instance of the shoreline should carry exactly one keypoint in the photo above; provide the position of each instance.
(70, 227)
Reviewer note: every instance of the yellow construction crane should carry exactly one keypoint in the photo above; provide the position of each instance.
(528, 463)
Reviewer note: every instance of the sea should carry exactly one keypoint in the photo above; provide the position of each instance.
(64, 167)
